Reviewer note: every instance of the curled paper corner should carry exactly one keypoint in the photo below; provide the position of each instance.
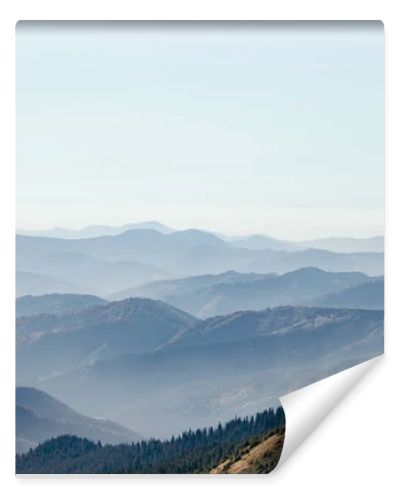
(306, 408)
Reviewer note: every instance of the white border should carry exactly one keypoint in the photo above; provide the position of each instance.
(355, 453)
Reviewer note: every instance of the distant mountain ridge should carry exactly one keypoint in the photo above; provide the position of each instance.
(109, 264)
(263, 242)
(251, 242)
(55, 303)
(211, 295)
(272, 322)
(39, 416)
(346, 245)
(95, 230)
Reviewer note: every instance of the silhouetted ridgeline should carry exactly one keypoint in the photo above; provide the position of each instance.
(197, 451)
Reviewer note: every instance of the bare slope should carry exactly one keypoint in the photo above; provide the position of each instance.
(259, 457)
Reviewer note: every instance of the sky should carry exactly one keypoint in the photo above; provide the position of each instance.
(274, 128)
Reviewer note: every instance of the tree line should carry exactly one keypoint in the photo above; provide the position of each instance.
(195, 451)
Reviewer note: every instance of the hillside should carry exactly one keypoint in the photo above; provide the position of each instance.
(176, 289)
(260, 456)
(197, 451)
(369, 295)
(49, 344)
(287, 324)
(55, 303)
(214, 368)
(212, 295)
(40, 416)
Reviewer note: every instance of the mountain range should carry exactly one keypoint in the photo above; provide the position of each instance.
(95, 230)
(251, 242)
(333, 244)
(136, 360)
(40, 416)
(211, 295)
(162, 330)
(109, 264)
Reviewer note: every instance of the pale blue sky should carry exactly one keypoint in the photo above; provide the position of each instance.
(252, 128)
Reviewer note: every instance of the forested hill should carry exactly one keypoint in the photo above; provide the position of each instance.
(197, 451)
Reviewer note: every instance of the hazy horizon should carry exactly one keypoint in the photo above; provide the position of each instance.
(233, 128)
(217, 233)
